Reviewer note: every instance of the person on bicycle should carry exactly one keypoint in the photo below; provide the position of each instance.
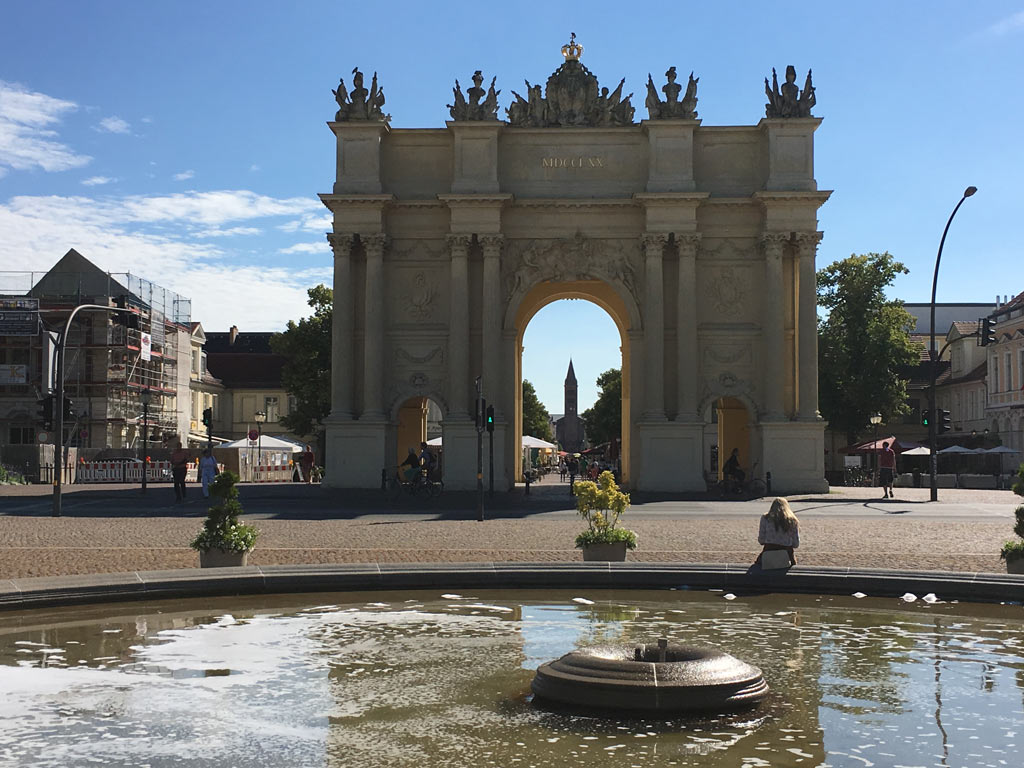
(411, 466)
(731, 470)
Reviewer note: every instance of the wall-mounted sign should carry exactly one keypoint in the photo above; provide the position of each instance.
(147, 347)
(13, 374)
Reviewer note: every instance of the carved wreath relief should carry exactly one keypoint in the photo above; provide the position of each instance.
(419, 297)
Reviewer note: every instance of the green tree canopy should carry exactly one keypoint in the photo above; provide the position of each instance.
(604, 419)
(306, 346)
(863, 343)
(536, 420)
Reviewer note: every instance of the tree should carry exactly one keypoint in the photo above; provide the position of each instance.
(863, 343)
(536, 420)
(306, 347)
(604, 419)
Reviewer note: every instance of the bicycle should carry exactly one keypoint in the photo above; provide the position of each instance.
(752, 487)
(421, 485)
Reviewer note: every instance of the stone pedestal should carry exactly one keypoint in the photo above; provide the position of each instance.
(355, 454)
(358, 159)
(795, 455)
(670, 145)
(670, 456)
(790, 153)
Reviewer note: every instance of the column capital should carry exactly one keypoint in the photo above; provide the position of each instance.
(654, 242)
(807, 242)
(688, 244)
(773, 243)
(492, 244)
(341, 243)
(374, 244)
(459, 242)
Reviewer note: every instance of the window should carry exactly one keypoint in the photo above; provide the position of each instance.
(272, 408)
(22, 436)
(993, 382)
(202, 363)
(1009, 372)
(195, 362)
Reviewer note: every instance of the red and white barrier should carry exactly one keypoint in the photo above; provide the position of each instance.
(121, 472)
(273, 474)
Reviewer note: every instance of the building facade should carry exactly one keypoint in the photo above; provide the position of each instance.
(1005, 385)
(699, 242)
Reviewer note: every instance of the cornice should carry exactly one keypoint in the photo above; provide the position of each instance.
(788, 198)
(476, 200)
(670, 198)
(363, 201)
(575, 203)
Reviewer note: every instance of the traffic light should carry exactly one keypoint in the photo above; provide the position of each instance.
(46, 411)
(925, 416)
(129, 318)
(988, 334)
(944, 423)
(208, 417)
(490, 418)
(68, 409)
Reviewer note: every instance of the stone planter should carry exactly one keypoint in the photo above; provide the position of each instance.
(220, 558)
(1015, 566)
(615, 552)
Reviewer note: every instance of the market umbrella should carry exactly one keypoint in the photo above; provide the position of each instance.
(956, 449)
(919, 451)
(999, 449)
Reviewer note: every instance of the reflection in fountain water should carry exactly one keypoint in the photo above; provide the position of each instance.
(396, 679)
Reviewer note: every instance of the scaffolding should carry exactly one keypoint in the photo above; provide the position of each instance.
(106, 368)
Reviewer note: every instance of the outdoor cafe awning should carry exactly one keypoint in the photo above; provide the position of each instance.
(875, 446)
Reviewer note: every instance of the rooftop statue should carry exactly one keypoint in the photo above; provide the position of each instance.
(790, 101)
(672, 107)
(571, 98)
(473, 109)
(360, 104)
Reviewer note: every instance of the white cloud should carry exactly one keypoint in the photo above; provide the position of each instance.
(1009, 25)
(309, 223)
(146, 120)
(254, 168)
(145, 236)
(26, 134)
(96, 181)
(307, 248)
(184, 175)
(113, 125)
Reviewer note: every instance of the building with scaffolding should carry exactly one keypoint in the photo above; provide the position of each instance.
(109, 363)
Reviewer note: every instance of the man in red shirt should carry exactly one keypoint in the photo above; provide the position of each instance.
(886, 469)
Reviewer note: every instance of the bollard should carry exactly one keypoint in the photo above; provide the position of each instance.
(526, 475)
(768, 483)
(384, 479)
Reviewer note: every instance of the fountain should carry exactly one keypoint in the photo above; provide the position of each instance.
(651, 678)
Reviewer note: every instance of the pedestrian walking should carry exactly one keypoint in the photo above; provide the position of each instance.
(886, 470)
(207, 471)
(179, 468)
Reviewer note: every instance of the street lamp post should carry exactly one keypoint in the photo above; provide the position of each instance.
(145, 396)
(876, 419)
(260, 417)
(934, 358)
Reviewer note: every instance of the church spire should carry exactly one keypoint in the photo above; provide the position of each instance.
(571, 402)
(570, 377)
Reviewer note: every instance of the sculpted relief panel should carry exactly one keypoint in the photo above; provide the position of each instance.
(417, 296)
(615, 261)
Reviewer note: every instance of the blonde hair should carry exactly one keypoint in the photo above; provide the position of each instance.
(782, 516)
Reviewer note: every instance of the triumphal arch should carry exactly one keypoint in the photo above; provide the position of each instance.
(699, 241)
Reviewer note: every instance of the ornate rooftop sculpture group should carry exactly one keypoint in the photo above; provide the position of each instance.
(572, 97)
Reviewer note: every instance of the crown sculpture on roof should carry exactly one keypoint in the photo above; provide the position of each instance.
(789, 101)
(571, 98)
(672, 107)
(473, 109)
(360, 104)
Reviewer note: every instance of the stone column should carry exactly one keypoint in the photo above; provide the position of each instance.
(373, 329)
(773, 325)
(341, 329)
(654, 326)
(458, 327)
(687, 364)
(491, 336)
(807, 334)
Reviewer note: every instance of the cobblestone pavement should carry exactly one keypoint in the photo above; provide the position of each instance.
(917, 538)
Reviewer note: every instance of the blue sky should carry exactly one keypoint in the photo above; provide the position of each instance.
(185, 142)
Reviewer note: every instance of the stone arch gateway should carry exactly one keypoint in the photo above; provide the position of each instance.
(700, 241)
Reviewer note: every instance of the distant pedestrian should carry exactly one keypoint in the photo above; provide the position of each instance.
(179, 468)
(886, 470)
(779, 530)
(307, 459)
(207, 471)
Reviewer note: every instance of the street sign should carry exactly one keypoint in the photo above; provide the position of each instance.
(253, 435)
(19, 316)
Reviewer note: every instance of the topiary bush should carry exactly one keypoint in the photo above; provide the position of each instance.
(221, 529)
(1014, 550)
(601, 504)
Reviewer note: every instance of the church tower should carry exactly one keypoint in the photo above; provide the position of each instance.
(571, 400)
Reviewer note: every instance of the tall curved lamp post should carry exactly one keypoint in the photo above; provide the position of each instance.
(934, 358)
(145, 397)
(260, 417)
(876, 419)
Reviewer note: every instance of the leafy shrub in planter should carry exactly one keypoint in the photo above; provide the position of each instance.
(221, 529)
(601, 504)
(1014, 550)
